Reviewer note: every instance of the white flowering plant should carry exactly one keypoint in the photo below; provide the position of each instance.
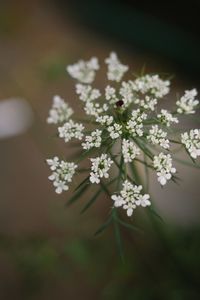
(123, 128)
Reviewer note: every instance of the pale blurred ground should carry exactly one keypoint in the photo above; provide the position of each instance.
(36, 43)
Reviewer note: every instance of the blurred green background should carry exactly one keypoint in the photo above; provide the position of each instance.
(48, 251)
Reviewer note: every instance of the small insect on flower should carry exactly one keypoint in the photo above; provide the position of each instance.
(124, 127)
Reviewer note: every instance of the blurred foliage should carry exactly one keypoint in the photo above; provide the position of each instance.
(159, 264)
(53, 68)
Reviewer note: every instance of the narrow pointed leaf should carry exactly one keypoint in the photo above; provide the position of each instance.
(187, 163)
(103, 227)
(82, 183)
(91, 201)
(78, 194)
(118, 239)
(130, 226)
(156, 214)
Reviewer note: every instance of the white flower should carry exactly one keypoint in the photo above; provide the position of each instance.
(135, 124)
(187, 102)
(163, 165)
(60, 111)
(130, 197)
(158, 137)
(147, 102)
(62, 173)
(143, 200)
(71, 130)
(95, 109)
(93, 140)
(110, 94)
(115, 130)
(100, 168)
(129, 150)
(191, 141)
(105, 120)
(127, 94)
(116, 69)
(151, 84)
(53, 163)
(87, 93)
(166, 118)
(84, 71)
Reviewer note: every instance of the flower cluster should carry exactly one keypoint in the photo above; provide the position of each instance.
(130, 197)
(148, 103)
(62, 173)
(105, 120)
(115, 131)
(151, 84)
(87, 93)
(166, 118)
(158, 137)
(122, 126)
(95, 109)
(84, 71)
(191, 141)
(60, 111)
(135, 124)
(92, 140)
(100, 168)
(116, 69)
(71, 130)
(129, 150)
(187, 103)
(163, 165)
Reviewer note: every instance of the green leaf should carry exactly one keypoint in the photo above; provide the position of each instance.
(146, 170)
(82, 170)
(144, 148)
(176, 179)
(118, 234)
(130, 226)
(104, 226)
(85, 154)
(175, 142)
(105, 188)
(78, 194)
(144, 163)
(156, 214)
(187, 163)
(135, 173)
(82, 182)
(118, 165)
(91, 201)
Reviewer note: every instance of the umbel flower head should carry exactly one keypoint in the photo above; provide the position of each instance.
(123, 127)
